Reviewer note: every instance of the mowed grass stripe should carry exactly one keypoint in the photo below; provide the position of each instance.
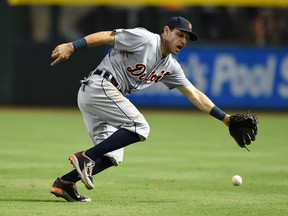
(184, 168)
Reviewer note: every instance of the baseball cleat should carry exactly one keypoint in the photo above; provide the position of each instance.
(84, 166)
(68, 192)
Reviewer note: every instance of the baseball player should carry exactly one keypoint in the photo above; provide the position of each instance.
(138, 59)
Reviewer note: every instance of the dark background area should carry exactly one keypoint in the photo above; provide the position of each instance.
(30, 33)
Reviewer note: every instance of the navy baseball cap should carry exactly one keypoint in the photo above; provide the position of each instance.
(183, 25)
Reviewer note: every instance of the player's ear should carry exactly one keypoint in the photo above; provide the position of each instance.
(165, 30)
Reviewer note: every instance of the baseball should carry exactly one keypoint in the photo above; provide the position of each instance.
(236, 180)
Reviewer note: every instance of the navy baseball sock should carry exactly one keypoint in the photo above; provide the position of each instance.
(101, 164)
(117, 140)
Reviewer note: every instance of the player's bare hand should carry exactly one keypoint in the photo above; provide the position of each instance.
(226, 120)
(62, 53)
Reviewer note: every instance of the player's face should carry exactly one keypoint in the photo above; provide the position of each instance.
(175, 40)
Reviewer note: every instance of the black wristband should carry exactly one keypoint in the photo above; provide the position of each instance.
(79, 44)
(217, 113)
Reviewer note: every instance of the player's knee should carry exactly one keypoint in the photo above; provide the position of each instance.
(144, 131)
(139, 126)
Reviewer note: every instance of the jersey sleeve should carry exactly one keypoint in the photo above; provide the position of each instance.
(131, 40)
(177, 78)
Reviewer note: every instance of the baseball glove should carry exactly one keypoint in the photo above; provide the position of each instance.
(243, 128)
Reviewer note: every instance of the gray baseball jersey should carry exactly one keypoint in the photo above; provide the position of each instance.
(135, 62)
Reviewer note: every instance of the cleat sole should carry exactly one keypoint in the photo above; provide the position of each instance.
(74, 161)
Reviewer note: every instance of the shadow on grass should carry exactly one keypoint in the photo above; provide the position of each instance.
(33, 200)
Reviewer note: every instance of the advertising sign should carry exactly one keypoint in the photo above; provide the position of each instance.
(230, 77)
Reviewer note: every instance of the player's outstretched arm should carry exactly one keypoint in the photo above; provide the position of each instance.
(100, 38)
(203, 103)
(63, 51)
(242, 127)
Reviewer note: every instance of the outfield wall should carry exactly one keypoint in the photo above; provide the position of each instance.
(232, 77)
(237, 78)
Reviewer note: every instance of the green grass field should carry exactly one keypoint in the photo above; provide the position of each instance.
(184, 168)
